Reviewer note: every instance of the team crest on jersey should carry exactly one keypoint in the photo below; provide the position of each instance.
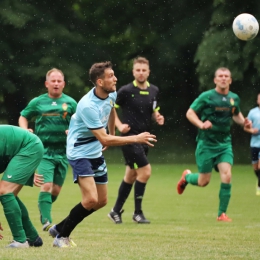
(112, 103)
(64, 106)
(232, 102)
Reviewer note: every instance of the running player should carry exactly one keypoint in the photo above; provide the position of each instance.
(20, 154)
(254, 115)
(138, 101)
(52, 112)
(212, 112)
(87, 138)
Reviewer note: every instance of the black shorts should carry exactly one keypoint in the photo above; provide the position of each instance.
(255, 154)
(135, 155)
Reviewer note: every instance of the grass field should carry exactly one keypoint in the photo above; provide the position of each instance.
(182, 227)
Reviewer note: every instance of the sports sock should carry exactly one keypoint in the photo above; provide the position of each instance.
(53, 198)
(257, 173)
(30, 230)
(139, 193)
(77, 214)
(44, 204)
(192, 178)
(123, 193)
(14, 216)
(224, 197)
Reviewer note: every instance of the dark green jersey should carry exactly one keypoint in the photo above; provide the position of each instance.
(12, 139)
(52, 117)
(218, 109)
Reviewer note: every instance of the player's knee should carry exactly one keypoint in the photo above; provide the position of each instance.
(90, 202)
(47, 187)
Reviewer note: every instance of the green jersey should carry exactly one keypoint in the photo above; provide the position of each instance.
(218, 109)
(12, 140)
(52, 117)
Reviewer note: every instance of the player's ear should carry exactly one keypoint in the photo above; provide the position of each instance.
(100, 82)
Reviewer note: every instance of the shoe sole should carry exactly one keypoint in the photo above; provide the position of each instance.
(182, 180)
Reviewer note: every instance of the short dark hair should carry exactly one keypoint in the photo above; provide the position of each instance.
(223, 69)
(97, 70)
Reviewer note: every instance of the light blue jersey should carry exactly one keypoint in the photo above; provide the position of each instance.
(254, 116)
(92, 113)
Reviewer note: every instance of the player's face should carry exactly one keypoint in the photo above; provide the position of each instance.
(55, 84)
(223, 79)
(141, 72)
(108, 83)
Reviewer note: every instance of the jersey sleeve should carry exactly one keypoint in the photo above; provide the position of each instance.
(237, 107)
(74, 106)
(199, 103)
(30, 110)
(90, 117)
(156, 106)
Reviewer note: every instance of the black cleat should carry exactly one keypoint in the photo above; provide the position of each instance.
(36, 243)
(140, 218)
(116, 217)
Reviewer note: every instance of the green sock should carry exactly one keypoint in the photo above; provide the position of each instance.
(45, 203)
(14, 216)
(30, 230)
(192, 178)
(224, 197)
(53, 198)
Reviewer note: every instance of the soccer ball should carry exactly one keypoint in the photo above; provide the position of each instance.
(245, 27)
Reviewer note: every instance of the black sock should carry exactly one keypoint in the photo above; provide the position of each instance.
(123, 193)
(139, 193)
(77, 214)
(257, 173)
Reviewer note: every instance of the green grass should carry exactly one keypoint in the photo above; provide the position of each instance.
(182, 227)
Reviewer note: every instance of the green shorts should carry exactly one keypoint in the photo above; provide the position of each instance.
(209, 158)
(22, 166)
(54, 170)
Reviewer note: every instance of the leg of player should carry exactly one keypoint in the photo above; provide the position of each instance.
(123, 192)
(225, 191)
(143, 175)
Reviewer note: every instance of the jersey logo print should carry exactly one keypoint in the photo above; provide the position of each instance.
(224, 99)
(54, 103)
(9, 176)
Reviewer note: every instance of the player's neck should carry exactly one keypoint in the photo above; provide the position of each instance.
(222, 91)
(141, 85)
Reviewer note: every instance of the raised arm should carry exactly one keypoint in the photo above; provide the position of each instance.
(23, 123)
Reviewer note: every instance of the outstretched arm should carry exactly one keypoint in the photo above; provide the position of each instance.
(159, 119)
(123, 128)
(240, 120)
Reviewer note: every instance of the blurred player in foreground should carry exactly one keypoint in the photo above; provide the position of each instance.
(86, 139)
(212, 113)
(254, 116)
(52, 112)
(139, 103)
(20, 154)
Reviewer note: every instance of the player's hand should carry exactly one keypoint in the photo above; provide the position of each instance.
(104, 148)
(247, 123)
(206, 125)
(66, 132)
(38, 180)
(30, 130)
(159, 119)
(146, 138)
(124, 128)
(1, 228)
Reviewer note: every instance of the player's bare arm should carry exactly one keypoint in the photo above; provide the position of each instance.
(111, 140)
(123, 128)
(194, 119)
(159, 119)
(23, 123)
(240, 120)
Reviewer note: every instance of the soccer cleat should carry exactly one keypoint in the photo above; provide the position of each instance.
(53, 231)
(224, 217)
(116, 217)
(181, 185)
(61, 242)
(15, 244)
(140, 218)
(36, 243)
(47, 226)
